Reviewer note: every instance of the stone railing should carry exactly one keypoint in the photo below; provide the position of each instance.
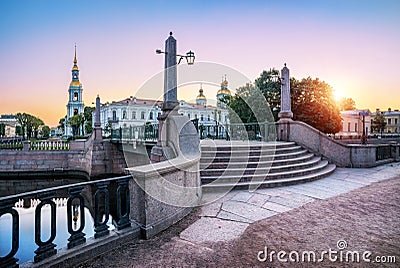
(103, 199)
(47, 146)
(11, 145)
(343, 155)
(167, 190)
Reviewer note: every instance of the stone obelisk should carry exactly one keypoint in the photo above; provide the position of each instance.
(285, 115)
(97, 124)
(162, 151)
(170, 78)
(286, 107)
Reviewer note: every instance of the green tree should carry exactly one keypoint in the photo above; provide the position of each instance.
(347, 104)
(269, 83)
(312, 103)
(76, 122)
(45, 132)
(88, 112)
(378, 123)
(61, 124)
(29, 124)
(18, 130)
(249, 106)
(36, 123)
(2, 129)
(22, 120)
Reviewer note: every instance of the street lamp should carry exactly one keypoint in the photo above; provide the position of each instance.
(170, 78)
(363, 137)
(189, 56)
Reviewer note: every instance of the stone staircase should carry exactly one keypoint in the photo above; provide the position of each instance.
(228, 164)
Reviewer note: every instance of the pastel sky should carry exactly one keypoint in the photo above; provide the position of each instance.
(352, 45)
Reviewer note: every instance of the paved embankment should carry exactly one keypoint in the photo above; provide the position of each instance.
(360, 206)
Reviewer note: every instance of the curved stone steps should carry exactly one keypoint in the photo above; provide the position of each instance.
(221, 187)
(265, 163)
(228, 146)
(259, 175)
(229, 171)
(255, 158)
(252, 152)
(268, 163)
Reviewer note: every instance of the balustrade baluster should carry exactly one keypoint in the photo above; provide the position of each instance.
(77, 236)
(101, 228)
(9, 260)
(45, 248)
(123, 222)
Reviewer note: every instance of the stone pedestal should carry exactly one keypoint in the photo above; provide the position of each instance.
(285, 115)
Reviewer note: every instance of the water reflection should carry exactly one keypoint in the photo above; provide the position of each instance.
(27, 244)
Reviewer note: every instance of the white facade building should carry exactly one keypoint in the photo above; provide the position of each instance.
(138, 112)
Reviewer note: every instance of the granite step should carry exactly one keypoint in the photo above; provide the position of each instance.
(247, 158)
(239, 147)
(274, 162)
(259, 175)
(227, 186)
(250, 152)
(245, 170)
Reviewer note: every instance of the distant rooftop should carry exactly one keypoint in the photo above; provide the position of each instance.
(7, 116)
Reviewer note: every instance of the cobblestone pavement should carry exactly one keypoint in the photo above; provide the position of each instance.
(360, 206)
(228, 217)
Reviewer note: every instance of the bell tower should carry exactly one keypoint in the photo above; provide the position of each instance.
(75, 104)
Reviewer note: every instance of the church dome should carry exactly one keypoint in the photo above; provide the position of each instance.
(224, 91)
(201, 99)
(224, 88)
(201, 95)
(75, 83)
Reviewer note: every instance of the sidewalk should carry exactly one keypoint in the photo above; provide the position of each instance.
(309, 216)
(228, 217)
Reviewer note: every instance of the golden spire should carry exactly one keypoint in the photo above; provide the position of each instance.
(75, 68)
(201, 94)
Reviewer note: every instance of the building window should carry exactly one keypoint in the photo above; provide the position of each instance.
(395, 121)
(151, 116)
(208, 118)
(159, 115)
(348, 127)
(114, 117)
(142, 115)
(189, 116)
(201, 118)
(124, 114)
(355, 127)
(75, 111)
(389, 121)
(75, 96)
(195, 116)
(133, 115)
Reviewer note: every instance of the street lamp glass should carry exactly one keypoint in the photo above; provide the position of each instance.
(190, 57)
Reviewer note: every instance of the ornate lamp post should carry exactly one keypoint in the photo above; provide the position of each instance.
(170, 101)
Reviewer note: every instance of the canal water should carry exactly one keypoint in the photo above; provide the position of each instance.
(27, 244)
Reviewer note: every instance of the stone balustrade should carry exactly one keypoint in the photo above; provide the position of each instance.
(342, 155)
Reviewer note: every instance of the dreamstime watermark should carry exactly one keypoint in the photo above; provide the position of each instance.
(341, 254)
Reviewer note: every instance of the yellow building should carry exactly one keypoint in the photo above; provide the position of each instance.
(352, 123)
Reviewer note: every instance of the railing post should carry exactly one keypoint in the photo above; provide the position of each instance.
(77, 236)
(101, 228)
(123, 222)
(25, 145)
(46, 248)
(9, 260)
